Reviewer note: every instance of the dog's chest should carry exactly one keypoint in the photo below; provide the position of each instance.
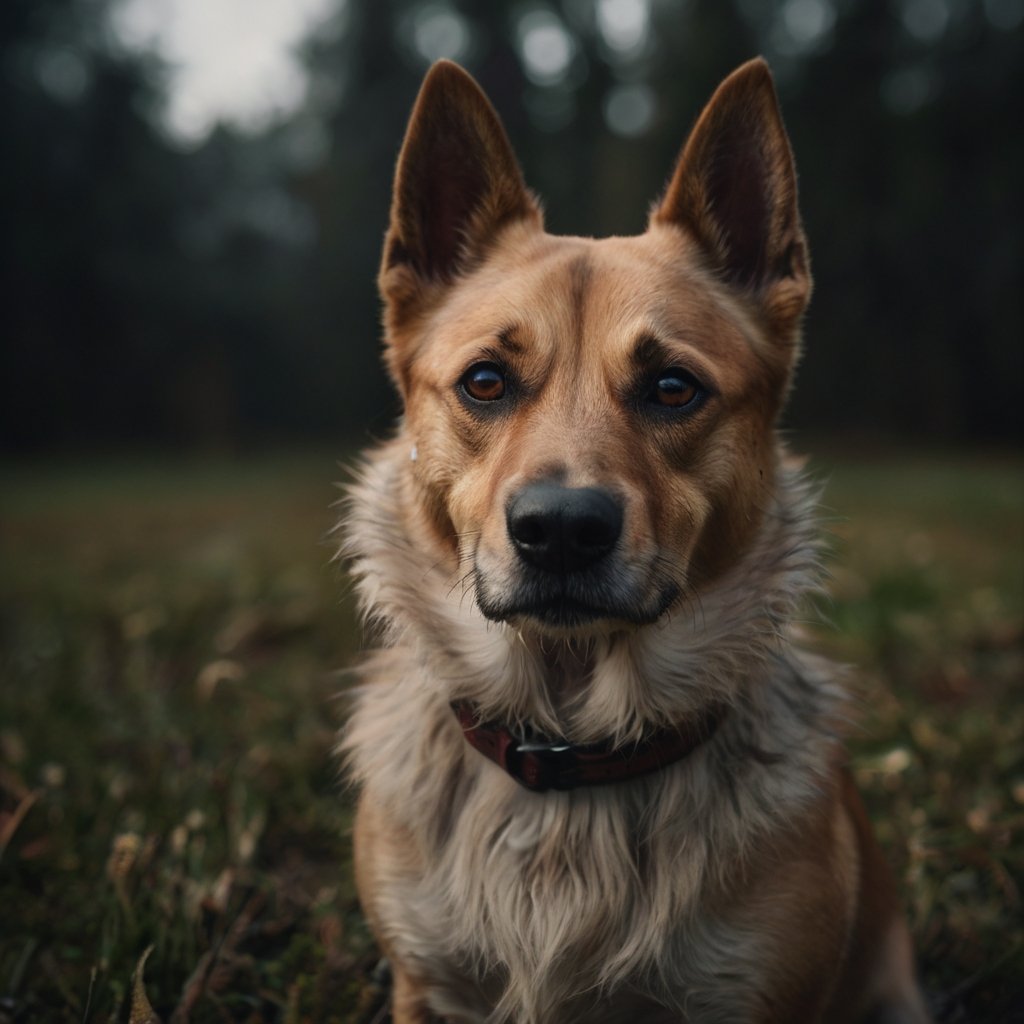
(559, 905)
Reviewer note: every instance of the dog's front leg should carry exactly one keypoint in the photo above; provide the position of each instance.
(381, 855)
(408, 1000)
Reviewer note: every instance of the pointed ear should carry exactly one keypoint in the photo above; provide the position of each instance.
(734, 190)
(456, 184)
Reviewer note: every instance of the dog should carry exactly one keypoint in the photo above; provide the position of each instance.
(599, 779)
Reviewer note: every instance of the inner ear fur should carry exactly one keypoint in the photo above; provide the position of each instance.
(457, 183)
(734, 191)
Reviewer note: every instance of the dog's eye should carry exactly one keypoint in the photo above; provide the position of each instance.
(676, 389)
(484, 382)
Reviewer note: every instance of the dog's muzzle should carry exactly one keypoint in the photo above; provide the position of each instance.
(570, 568)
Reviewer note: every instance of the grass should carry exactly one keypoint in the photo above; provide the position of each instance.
(171, 640)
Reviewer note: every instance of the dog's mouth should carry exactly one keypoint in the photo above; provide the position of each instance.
(566, 605)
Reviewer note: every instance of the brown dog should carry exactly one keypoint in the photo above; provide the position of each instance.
(600, 782)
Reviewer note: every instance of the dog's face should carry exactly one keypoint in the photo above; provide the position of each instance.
(591, 422)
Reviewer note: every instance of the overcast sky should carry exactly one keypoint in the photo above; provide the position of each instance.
(231, 59)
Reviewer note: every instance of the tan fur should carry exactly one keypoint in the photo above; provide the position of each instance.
(742, 883)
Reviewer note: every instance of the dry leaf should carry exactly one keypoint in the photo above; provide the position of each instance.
(142, 1012)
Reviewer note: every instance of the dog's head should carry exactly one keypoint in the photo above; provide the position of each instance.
(591, 421)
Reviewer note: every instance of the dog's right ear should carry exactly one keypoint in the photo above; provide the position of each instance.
(456, 185)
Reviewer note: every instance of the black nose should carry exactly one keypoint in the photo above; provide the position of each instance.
(562, 529)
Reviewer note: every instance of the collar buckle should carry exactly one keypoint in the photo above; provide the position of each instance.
(540, 766)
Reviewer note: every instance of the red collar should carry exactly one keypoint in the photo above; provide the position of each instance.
(558, 764)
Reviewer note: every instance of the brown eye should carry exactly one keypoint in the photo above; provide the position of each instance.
(676, 389)
(484, 382)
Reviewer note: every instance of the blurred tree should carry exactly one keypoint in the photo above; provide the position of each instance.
(83, 180)
(909, 162)
(149, 292)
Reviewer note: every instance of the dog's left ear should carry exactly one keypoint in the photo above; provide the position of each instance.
(734, 190)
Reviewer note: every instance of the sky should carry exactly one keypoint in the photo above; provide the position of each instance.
(234, 60)
(230, 59)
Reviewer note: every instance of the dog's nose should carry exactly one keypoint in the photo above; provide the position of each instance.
(562, 529)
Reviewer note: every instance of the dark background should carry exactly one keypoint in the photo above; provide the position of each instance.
(220, 296)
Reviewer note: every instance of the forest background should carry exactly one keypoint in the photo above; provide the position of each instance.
(189, 344)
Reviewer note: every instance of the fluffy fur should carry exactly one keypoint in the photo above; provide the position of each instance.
(618, 868)
(737, 885)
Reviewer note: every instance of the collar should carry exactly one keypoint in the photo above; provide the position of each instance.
(558, 764)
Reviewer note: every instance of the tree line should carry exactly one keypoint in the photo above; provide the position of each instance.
(222, 295)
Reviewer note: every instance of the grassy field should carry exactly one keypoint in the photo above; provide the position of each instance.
(172, 644)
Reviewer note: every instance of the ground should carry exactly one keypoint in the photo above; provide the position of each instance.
(173, 640)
